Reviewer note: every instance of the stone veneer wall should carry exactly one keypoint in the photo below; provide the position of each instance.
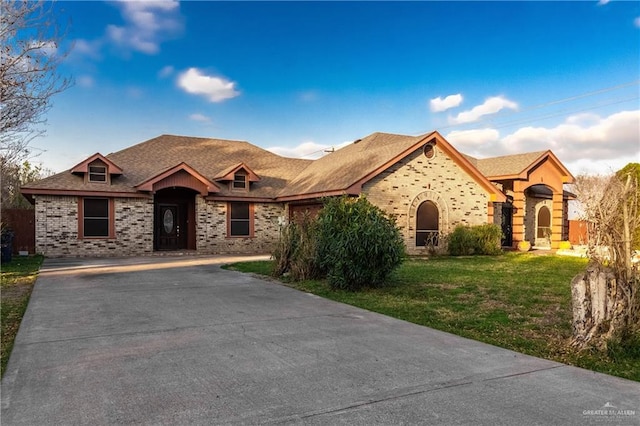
(403, 187)
(57, 228)
(211, 228)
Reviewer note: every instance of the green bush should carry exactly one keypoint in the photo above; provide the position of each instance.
(358, 245)
(481, 239)
(625, 345)
(460, 241)
(296, 251)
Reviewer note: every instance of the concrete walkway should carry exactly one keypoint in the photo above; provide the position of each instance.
(181, 341)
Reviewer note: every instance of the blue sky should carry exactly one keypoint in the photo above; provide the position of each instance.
(495, 78)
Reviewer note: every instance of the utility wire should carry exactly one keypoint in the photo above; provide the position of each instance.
(554, 102)
(536, 107)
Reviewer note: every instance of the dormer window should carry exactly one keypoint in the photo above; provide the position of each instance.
(98, 174)
(238, 177)
(239, 181)
(97, 169)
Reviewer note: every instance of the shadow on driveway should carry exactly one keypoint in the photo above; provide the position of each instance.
(181, 341)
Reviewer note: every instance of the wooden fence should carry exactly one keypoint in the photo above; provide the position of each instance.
(23, 224)
(578, 232)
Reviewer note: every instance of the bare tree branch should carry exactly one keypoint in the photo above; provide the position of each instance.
(30, 53)
(610, 207)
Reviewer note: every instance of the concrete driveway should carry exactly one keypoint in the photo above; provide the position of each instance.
(181, 341)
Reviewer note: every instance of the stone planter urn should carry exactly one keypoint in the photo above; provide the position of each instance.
(524, 246)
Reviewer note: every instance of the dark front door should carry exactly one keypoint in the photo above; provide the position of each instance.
(507, 225)
(170, 227)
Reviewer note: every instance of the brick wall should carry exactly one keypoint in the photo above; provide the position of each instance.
(57, 228)
(211, 228)
(403, 187)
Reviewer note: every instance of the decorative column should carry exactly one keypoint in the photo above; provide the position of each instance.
(557, 219)
(518, 213)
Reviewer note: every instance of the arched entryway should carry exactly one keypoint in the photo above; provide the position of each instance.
(427, 224)
(543, 227)
(538, 215)
(174, 219)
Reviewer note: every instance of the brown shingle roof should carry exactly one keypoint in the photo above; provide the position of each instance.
(209, 157)
(280, 177)
(507, 165)
(340, 170)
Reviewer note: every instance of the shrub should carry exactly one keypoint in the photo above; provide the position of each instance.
(296, 251)
(283, 251)
(481, 239)
(358, 245)
(461, 241)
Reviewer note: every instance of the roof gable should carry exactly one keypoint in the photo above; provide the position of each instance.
(228, 174)
(463, 162)
(181, 175)
(519, 166)
(83, 167)
(346, 170)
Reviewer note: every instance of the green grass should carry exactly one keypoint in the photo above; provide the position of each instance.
(17, 278)
(516, 301)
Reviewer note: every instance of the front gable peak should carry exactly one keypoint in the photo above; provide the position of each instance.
(181, 175)
(83, 167)
(229, 173)
(97, 169)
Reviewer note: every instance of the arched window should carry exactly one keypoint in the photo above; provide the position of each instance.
(427, 227)
(544, 222)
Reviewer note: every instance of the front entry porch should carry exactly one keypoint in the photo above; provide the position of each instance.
(174, 220)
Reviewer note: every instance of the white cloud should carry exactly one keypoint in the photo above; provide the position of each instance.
(166, 71)
(636, 22)
(85, 81)
(585, 143)
(490, 106)
(134, 92)
(307, 150)
(473, 138)
(89, 48)
(603, 2)
(200, 117)
(147, 24)
(615, 136)
(438, 104)
(47, 48)
(308, 96)
(216, 89)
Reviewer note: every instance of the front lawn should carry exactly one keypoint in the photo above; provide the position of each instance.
(517, 301)
(17, 280)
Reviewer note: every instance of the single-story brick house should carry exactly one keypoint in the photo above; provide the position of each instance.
(219, 196)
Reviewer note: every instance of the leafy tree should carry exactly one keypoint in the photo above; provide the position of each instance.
(13, 176)
(632, 171)
(358, 245)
